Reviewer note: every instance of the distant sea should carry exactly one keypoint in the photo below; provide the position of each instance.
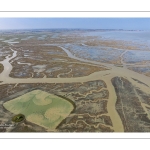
(142, 37)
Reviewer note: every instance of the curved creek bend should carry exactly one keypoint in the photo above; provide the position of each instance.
(106, 76)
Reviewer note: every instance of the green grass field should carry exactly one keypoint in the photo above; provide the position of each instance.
(41, 108)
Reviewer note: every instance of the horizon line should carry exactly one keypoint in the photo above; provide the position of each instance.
(75, 29)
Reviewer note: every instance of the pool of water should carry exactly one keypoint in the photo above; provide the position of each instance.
(95, 53)
(136, 36)
(136, 56)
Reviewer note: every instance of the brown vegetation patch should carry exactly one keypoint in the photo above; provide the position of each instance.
(129, 106)
(91, 110)
(1, 68)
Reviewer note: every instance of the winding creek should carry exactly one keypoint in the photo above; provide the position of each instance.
(106, 76)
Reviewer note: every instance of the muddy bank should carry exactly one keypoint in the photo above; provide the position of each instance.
(1, 68)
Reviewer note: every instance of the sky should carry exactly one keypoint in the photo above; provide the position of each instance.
(82, 23)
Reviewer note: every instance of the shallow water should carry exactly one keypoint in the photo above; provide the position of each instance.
(95, 53)
(136, 56)
(135, 36)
